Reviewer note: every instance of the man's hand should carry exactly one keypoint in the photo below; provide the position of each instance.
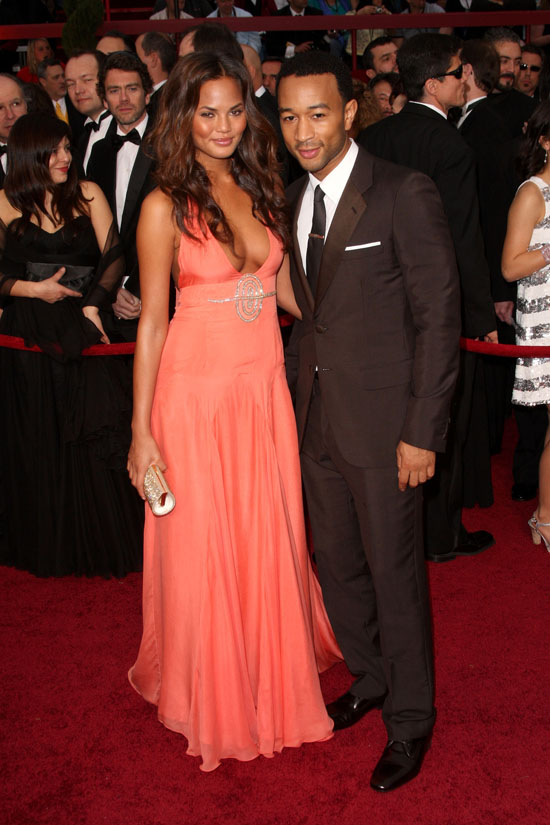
(414, 465)
(126, 306)
(504, 311)
(304, 47)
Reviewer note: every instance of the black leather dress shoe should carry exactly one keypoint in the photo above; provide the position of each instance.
(472, 544)
(399, 763)
(348, 709)
(524, 492)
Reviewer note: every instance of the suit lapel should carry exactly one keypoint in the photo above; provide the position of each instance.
(135, 184)
(351, 207)
(295, 208)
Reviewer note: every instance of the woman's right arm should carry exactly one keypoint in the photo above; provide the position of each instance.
(155, 245)
(526, 211)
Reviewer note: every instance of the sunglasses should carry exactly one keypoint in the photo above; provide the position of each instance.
(525, 66)
(455, 73)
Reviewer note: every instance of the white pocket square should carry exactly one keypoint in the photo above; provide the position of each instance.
(363, 246)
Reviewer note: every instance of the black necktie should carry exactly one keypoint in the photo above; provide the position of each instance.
(120, 140)
(316, 241)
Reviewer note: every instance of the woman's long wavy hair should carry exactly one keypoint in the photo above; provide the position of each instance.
(32, 140)
(531, 156)
(254, 164)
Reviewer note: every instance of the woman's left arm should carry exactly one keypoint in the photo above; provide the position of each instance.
(285, 293)
(107, 240)
(526, 211)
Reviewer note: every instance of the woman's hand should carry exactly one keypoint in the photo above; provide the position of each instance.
(50, 290)
(92, 314)
(143, 452)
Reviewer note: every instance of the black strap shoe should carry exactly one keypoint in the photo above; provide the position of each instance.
(348, 709)
(400, 762)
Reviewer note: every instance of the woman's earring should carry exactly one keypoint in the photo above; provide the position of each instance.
(545, 156)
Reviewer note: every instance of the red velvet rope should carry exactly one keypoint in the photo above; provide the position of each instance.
(466, 344)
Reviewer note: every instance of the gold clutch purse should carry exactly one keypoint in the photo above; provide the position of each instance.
(157, 492)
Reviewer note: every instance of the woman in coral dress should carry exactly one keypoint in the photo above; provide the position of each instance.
(235, 631)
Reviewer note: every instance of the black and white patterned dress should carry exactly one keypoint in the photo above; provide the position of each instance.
(532, 379)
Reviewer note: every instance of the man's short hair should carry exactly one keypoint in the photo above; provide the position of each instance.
(125, 62)
(316, 63)
(532, 48)
(162, 44)
(501, 34)
(424, 56)
(216, 37)
(16, 80)
(128, 42)
(368, 61)
(100, 57)
(484, 60)
(44, 65)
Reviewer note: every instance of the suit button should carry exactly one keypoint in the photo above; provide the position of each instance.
(320, 328)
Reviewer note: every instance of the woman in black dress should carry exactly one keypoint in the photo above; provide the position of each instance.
(64, 419)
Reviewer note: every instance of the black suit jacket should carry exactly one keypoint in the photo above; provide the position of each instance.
(384, 325)
(486, 133)
(102, 170)
(276, 41)
(421, 139)
(514, 108)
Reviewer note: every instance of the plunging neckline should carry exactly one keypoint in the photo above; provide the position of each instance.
(234, 268)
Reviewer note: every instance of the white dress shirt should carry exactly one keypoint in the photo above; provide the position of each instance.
(95, 136)
(126, 157)
(467, 109)
(4, 161)
(333, 186)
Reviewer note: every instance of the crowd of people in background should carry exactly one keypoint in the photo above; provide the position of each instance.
(109, 98)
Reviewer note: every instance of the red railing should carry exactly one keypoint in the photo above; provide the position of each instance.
(351, 23)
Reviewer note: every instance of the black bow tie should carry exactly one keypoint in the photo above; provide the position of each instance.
(3, 149)
(93, 126)
(120, 140)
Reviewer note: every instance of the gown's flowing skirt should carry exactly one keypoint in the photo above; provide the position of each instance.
(234, 626)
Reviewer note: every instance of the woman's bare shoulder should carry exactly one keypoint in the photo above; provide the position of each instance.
(158, 204)
(7, 211)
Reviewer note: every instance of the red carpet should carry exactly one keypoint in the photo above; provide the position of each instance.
(79, 747)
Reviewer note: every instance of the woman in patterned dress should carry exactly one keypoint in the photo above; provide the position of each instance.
(526, 259)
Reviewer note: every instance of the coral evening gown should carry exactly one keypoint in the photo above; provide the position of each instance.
(235, 630)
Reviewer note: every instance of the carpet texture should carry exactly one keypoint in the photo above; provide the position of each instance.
(79, 747)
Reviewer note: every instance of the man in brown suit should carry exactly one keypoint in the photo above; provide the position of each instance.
(375, 357)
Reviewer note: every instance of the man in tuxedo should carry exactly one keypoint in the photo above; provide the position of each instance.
(374, 361)
(288, 43)
(123, 169)
(81, 74)
(158, 52)
(421, 138)
(514, 107)
(12, 106)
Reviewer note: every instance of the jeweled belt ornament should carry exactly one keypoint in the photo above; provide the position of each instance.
(249, 298)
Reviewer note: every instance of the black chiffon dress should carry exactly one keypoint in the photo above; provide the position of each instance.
(68, 505)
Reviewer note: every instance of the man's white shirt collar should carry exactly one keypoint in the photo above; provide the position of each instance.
(335, 182)
(430, 106)
(333, 186)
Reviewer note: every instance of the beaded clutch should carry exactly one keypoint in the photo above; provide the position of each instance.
(157, 492)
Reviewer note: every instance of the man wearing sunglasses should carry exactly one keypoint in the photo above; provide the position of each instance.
(532, 59)
(421, 138)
